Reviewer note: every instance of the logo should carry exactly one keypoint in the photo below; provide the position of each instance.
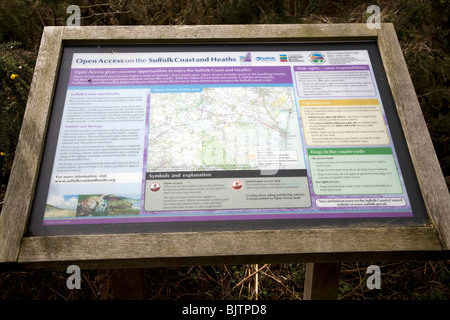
(283, 58)
(246, 59)
(296, 58)
(236, 184)
(266, 59)
(317, 58)
(155, 186)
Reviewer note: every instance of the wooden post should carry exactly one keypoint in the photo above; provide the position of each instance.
(321, 281)
(128, 284)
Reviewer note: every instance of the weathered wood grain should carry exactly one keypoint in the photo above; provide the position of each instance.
(423, 155)
(227, 247)
(19, 195)
(235, 33)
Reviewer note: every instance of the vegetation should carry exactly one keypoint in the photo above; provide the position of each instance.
(399, 281)
(423, 30)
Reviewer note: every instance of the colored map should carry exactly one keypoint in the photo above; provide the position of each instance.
(224, 128)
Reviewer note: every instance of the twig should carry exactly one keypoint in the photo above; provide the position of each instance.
(256, 282)
(39, 14)
(245, 279)
(96, 5)
(274, 277)
(251, 275)
(57, 293)
(95, 292)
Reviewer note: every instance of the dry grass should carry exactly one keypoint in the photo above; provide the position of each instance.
(428, 280)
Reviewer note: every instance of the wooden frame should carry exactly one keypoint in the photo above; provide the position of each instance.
(231, 247)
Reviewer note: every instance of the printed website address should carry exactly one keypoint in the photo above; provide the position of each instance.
(91, 178)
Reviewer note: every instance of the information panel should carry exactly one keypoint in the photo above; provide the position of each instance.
(148, 136)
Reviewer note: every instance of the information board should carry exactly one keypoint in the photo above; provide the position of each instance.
(173, 137)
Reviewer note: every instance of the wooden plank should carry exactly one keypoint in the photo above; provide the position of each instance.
(423, 155)
(250, 33)
(322, 281)
(265, 246)
(19, 195)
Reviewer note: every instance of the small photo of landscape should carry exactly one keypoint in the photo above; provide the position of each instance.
(93, 205)
(61, 206)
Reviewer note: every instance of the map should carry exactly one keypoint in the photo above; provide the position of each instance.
(224, 128)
